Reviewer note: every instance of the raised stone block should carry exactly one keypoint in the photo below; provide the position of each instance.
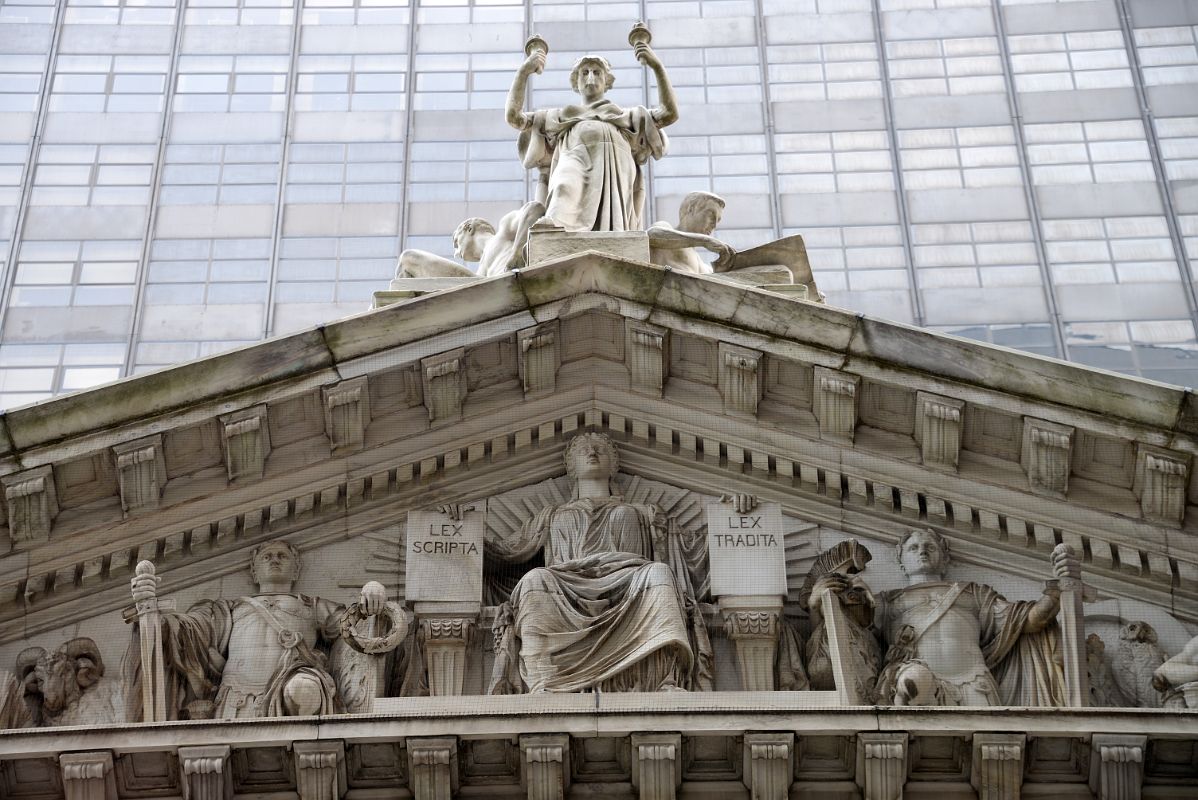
(550, 245)
(445, 556)
(746, 551)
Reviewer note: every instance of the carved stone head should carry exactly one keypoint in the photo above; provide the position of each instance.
(469, 238)
(276, 562)
(592, 76)
(923, 551)
(1138, 632)
(700, 212)
(591, 456)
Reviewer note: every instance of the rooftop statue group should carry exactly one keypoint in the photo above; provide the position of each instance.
(590, 159)
(616, 606)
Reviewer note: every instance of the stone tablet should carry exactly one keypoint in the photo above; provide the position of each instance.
(746, 551)
(445, 557)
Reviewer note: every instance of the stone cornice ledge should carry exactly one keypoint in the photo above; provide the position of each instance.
(598, 715)
(847, 336)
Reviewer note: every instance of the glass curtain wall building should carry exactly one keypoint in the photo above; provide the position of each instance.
(179, 177)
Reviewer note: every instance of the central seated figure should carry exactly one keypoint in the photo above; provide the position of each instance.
(602, 613)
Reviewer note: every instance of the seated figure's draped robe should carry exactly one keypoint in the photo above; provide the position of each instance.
(227, 652)
(1015, 668)
(594, 153)
(601, 612)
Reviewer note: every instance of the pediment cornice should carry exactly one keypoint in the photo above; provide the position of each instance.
(862, 425)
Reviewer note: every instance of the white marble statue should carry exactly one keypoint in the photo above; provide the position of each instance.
(496, 250)
(275, 653)
(593, 151)
(67, 686)
(1177, 678)
(958, 643)
(1134, 664)
(612, 607)
(676, 246)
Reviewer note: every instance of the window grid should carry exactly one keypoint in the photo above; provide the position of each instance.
(1088, 152)
(927, 67)
(104, 175)
(1047, 62)
(1168, 56)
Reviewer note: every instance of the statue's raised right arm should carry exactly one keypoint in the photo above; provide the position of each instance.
(515, 114)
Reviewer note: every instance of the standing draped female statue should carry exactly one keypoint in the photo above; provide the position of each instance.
(594, 150)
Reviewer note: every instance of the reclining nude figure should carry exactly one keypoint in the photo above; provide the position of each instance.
(675, 247)
(613, 607)
(496, 250)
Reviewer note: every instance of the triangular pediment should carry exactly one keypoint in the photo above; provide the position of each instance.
(862, 426)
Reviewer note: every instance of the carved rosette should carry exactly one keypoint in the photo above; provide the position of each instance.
(881, 765)
(206, 772)
(445, 642)
(769, 765)
(997, 767)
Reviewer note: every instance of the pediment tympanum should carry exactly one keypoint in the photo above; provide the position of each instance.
(852, 431)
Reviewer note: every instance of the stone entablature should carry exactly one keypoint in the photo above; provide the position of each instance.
(1008, 451)
(723, 746)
